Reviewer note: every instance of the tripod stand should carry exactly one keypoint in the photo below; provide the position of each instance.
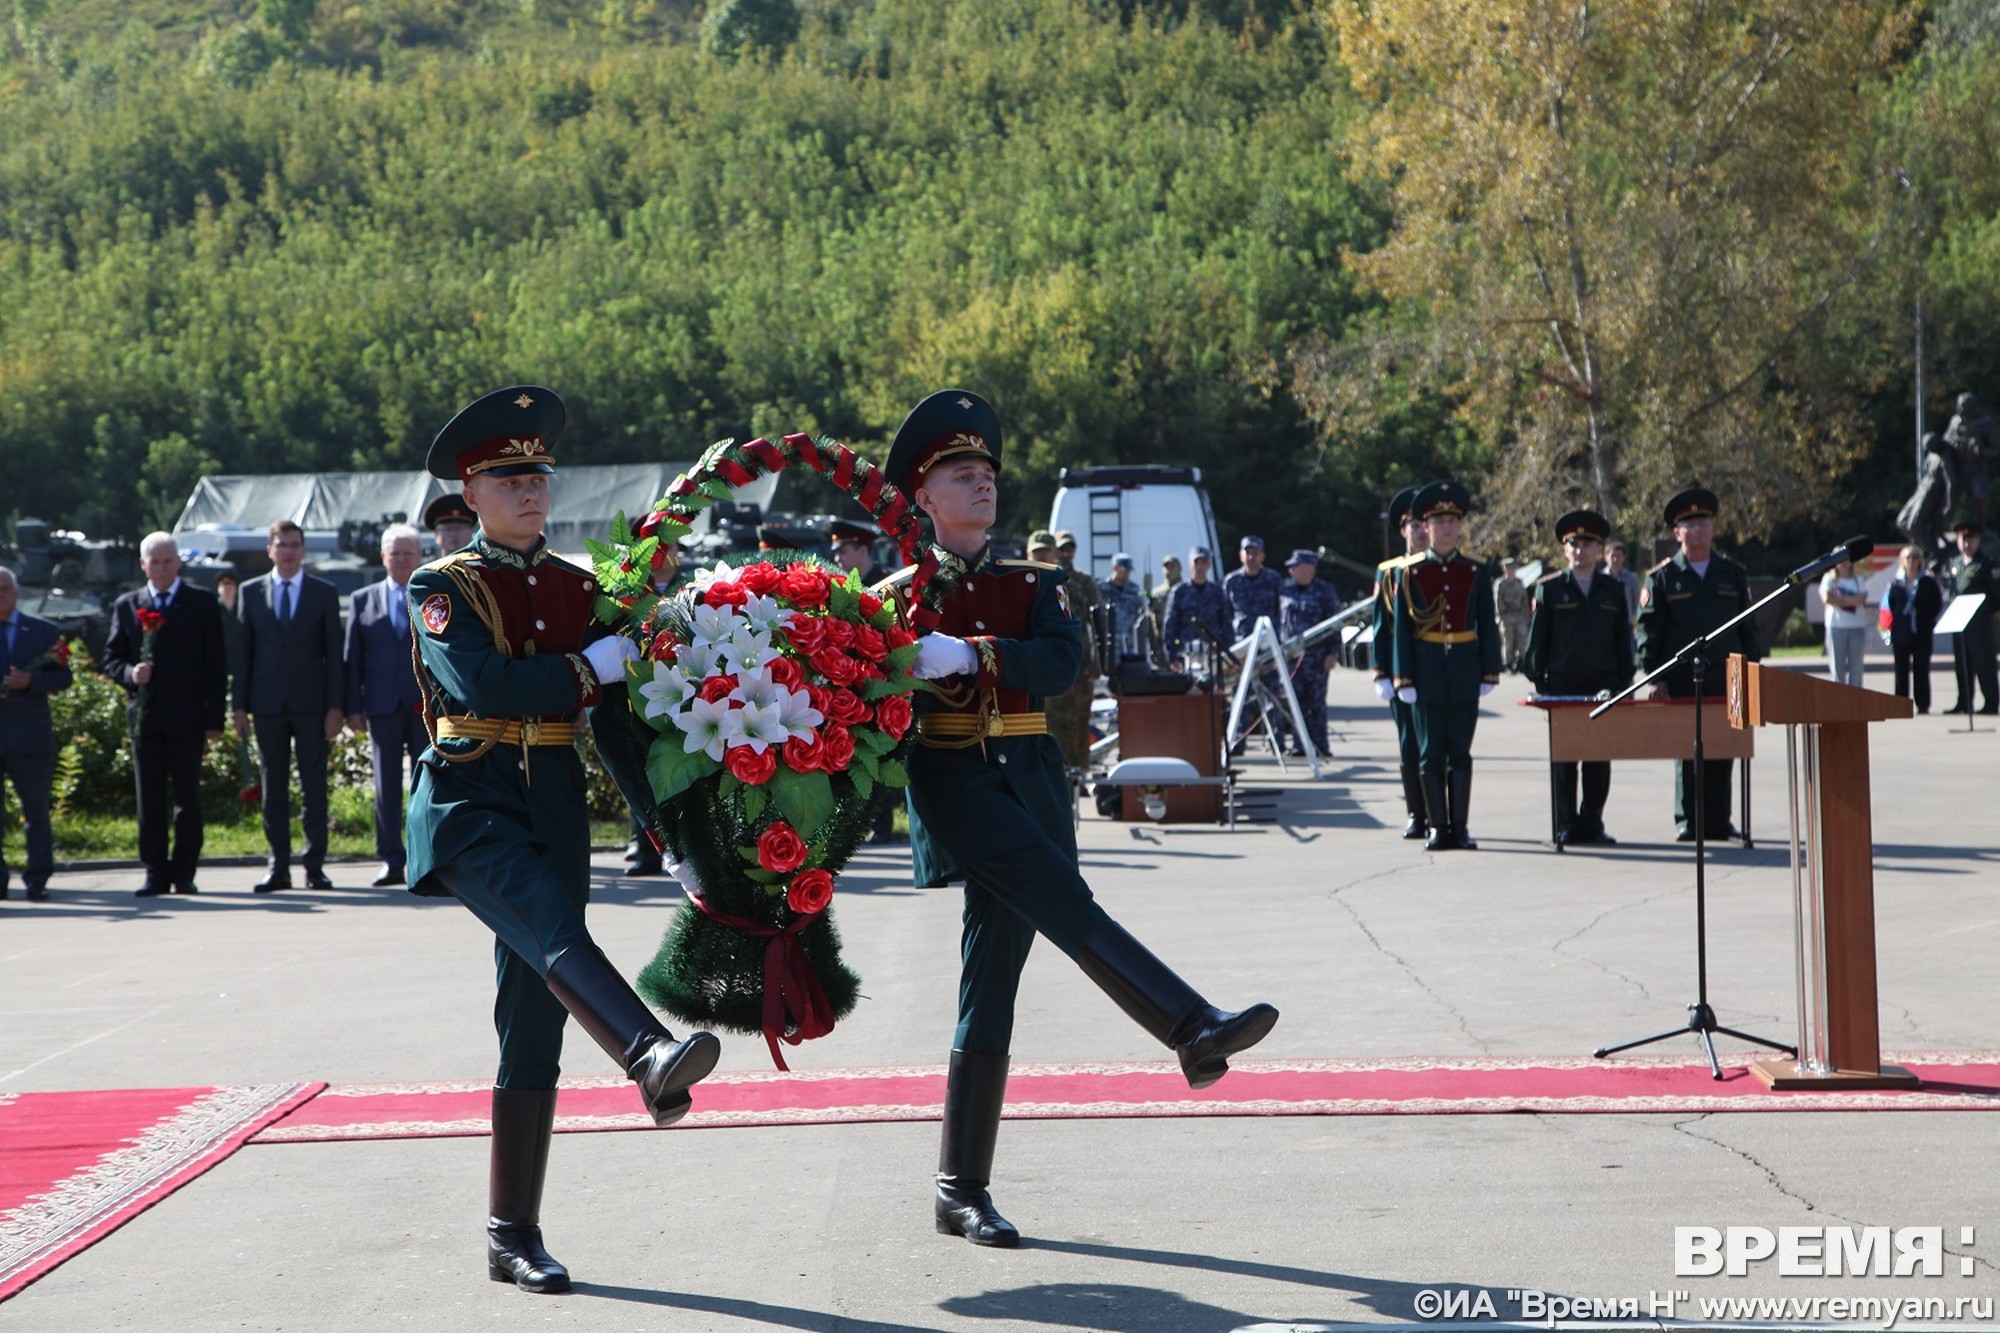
(1701, 1015)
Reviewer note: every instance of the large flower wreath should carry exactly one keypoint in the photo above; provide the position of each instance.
(768, 713)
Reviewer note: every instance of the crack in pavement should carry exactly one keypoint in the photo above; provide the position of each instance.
(1457, 1017)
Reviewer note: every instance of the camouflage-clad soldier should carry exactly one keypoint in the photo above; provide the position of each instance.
(1687, 595)
(1303, 602)
(1197, 612)
(1512, 605)
(508, 657)
(989, 804)
(1388, 587)
(1579, 644)
(1252, 590)
(1447, 658)
(1127, 603)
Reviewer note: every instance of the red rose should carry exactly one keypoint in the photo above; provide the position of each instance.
(822, 698)
(869, 643)
(836, 666)
(839, 633)
(150, 620)
(844, 707)
(726, 594)
(898, 637)
(893, 716)
(746, 765)
(871, 605)
(716, 687)
(780, 849)
(666, 648)
(786, 672)
(807, 634)
(807, 756)
(810, 892)
(760, 578)
(836, 744)
(804, 586)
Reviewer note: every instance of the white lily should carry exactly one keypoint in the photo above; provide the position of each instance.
(668, 691)
(710, 726)
(798, 715)
(715, 624)
(762, 726)
(755, 686)
(700, 660)
(765, 614)
(720, 572)
(747, 650)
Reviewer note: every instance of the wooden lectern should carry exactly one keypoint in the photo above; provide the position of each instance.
(1833, 869)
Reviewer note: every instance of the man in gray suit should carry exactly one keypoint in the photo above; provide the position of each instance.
(31, 669)
(290, 681)
(383, 700)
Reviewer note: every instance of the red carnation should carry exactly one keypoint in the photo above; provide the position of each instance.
(717, 687)
(893, 716)
(780, 849)
(870, 644)
(871, 605)
(805, 756)
(898, 637)
(807, 633)
(150, 620)
(786, 672)
(746, 765)
(810, 892)
(725, 594)
(836, 666)
(844, 707)
(666, 648)
(761, 578)
(836, 747)
(804, 585)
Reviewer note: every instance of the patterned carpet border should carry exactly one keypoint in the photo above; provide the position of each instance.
(1953, 1081)
(79, 1165)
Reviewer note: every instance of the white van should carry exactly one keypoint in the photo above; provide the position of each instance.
(1146, 510)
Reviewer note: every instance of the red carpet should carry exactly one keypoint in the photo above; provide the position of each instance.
(1954, 1081)
(78, 1165)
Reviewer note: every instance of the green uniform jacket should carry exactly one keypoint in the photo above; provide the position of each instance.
(1447, 637)
(499, 635)
(975, 802)
(1678, 606)
(1974, 574)
(1578, 642)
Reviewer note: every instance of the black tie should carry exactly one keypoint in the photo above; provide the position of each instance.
(285, 602)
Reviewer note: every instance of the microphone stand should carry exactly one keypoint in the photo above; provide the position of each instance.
(1701, 1015)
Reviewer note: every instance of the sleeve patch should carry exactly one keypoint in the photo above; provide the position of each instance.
(1062, 599)
(436, 612)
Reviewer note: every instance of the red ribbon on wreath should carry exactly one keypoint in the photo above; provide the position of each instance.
(795, 1008)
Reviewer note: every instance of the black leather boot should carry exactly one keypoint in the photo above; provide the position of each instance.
(523, 1121)
(1441, 838)
(1413, 802)
(1160, 1002)
(614, 1016)
(974, 1089)
(1460, 784)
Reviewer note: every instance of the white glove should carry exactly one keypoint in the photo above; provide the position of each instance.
(684, 872)
(1485, 688)
(608, 656)
(1385, 689)
(1408, 694)
(941, 655)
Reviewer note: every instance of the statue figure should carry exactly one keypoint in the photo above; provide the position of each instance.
(1925, 515)
(1970, 434)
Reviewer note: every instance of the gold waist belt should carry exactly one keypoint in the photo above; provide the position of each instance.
(508, 731)
(1447, 636)
(979, 726)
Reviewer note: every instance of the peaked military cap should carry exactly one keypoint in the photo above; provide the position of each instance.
(448, 508)
(951, 423)
(1967, 522)
(1302, 556)
(1694, 502)
(1399, 508)
(1441, 499)
(1586, 521)
(842, 531)
(503, 434)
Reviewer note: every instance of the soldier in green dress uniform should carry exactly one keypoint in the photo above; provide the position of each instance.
(1970, 572)
(1446, 658)
(1687, 595)
(1416, 540)
(1580, 644)
(508, 657)
(990, 804)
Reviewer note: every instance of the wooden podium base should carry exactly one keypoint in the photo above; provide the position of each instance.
(1784, 1076)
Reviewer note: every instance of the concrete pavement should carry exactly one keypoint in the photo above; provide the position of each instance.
(1369, 945)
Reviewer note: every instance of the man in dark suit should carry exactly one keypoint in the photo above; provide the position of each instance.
(290, 681)
(31, 669)
(179, 681)
(383, 701)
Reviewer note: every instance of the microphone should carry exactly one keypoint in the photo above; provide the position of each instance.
(1854, 548)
